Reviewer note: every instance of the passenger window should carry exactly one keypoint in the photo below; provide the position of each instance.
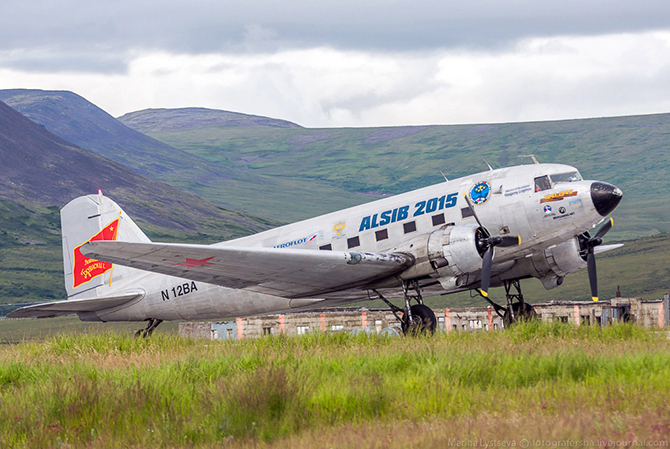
(542, 183)
(438, 219)
(382, 235)
(409, 227)
(327, 247)
(353, 242)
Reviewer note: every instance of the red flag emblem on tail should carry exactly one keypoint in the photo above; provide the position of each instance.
(86, 268)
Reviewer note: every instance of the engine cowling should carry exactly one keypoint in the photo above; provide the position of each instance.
(451, 255)
(450, 251)
(553, 264)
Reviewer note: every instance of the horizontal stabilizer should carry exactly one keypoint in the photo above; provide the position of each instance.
(72, 306)
(290, 273)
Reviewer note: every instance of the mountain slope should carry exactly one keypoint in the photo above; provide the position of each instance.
(43, 169)
(627, 151)
(157, 120)
(41, 172)
(78, 121)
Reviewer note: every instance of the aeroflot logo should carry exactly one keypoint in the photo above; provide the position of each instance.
(85, 268)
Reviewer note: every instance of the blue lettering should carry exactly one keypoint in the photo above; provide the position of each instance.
(401, 213)
(431, 205)
(294, 242)
(385, 218)
(451, 200)
(365, 224)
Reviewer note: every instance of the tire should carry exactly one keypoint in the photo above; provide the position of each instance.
(522, 312)
(423, 321)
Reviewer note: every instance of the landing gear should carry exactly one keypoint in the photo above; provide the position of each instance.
(414, 319)
(517, 309)
(423, 321)
(147, 331)
(521, 311)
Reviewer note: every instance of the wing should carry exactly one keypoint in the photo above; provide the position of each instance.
(72, 306)
(291, 273)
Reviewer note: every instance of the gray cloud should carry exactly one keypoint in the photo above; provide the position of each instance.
(99, 36)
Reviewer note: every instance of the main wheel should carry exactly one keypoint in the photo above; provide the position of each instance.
(522, 312)
(423, 321)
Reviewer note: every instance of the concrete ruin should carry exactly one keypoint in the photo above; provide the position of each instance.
(646, 313)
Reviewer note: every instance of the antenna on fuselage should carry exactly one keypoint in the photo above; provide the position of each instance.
(532, 156)
(489, 165)
(444, 176)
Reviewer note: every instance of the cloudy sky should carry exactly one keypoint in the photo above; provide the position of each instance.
(348, 63)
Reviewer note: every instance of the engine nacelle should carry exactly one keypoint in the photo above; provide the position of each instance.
(555, 263)
(565, 258)
(451, 255)
(459, 248)
(450, 251)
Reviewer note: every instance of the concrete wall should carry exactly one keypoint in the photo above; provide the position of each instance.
(647, 313)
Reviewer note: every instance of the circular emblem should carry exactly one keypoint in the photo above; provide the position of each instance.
(547, 209)
(480, 192)
(561, 209)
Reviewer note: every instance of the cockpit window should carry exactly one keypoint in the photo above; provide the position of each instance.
(542, 183)
(566, 177)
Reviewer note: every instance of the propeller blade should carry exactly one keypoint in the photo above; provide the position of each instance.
(604, 229)
(486, 271)
(593, 275)
(472, 209)
(509, 240)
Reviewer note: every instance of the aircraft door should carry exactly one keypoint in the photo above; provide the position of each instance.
(515, 221)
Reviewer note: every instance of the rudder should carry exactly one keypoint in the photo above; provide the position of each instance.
(95, 217)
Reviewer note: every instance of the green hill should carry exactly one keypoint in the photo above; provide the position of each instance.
(156, 120)
(288, 173)
(76, 120)
(627, 151)
(40, 173)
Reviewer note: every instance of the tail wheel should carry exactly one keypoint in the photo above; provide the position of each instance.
(423, 321)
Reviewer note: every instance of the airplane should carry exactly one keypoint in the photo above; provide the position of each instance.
(472, 233)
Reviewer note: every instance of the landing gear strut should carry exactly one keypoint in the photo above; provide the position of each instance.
(517, 309)
(414, 319)
(147, 331)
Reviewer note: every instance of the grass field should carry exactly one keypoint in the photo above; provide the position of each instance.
(26, 330)
(544, 383)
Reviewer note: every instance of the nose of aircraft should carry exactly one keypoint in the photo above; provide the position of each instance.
(606, 197)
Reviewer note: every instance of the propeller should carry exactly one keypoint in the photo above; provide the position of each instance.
(485, 245)
(588, 245)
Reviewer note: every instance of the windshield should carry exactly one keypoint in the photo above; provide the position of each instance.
(566, 177)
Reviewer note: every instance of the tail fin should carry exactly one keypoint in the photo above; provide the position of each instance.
(95, 217)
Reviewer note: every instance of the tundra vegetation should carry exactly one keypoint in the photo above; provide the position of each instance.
(542, 382)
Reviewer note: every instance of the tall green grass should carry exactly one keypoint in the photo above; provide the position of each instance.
(107, 390)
